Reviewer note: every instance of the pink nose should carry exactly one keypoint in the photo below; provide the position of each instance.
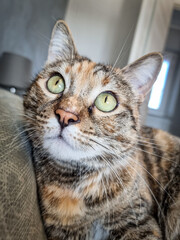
(66, 118)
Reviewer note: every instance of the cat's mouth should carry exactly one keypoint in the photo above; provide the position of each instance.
(61, 138)
(58, 137)
(66, 144)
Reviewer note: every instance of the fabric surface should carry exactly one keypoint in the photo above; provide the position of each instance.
(19, 212)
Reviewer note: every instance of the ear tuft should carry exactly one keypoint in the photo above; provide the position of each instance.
(143, 73)
(61, 45)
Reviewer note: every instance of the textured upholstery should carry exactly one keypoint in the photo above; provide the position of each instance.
(19, 212)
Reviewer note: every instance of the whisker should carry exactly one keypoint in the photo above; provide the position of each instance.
(123, 46)
(153, 154)
(90, 139)
(159, 207)
(155, 180)
(121, 183)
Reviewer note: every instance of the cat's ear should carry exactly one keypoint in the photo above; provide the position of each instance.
(61, 44)
(142, 73)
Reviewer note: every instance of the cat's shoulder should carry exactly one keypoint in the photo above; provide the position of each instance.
(166, 141)
(158, 133)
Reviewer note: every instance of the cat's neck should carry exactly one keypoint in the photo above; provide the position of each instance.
(72, 172)
(63, 171)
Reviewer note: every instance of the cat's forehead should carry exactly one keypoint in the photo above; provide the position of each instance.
(87, 77)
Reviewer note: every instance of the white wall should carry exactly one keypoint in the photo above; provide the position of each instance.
(152, 27)
(150, 35)
(101, 27)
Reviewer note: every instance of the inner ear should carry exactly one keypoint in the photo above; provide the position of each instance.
(143, 73)
(61, 44)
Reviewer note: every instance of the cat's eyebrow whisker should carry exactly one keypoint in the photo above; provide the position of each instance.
(42, 36)
(120, 52)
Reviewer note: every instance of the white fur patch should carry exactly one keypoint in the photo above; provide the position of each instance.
(66, 147)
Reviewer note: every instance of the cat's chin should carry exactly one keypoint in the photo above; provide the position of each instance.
(64, 146)
(59, 149)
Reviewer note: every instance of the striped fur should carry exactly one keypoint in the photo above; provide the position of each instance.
(107, 170)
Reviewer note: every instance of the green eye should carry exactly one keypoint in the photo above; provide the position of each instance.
(106, 102)
(56, 84)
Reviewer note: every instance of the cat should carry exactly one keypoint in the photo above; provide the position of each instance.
(100, 174)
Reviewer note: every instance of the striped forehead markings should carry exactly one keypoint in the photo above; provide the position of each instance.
(100, 67)
(84, 75)
(79, 69)
(105, 81)
(87, 76)
(67, 69)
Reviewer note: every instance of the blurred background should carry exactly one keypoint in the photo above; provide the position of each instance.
(108, 31)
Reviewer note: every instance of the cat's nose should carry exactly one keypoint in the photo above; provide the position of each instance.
(66, 118)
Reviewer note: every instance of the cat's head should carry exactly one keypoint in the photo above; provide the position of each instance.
(82, 111)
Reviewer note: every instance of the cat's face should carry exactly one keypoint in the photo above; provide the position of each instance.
(82, 111)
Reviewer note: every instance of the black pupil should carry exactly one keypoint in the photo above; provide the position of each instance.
(57, 82)
(105, 99)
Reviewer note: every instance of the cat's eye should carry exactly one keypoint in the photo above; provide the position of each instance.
(106, 102)
(56, 84)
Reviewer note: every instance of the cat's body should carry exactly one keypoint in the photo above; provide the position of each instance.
(96, 167)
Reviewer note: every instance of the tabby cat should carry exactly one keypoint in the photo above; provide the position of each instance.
(100, 175)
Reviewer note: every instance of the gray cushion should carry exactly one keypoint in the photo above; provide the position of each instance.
(19, 210)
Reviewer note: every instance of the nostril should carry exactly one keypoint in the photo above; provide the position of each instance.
(66, 118)
(58, 117)
(71, 120)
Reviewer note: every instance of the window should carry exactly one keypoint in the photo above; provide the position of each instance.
(164, 94)
(158, 88)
